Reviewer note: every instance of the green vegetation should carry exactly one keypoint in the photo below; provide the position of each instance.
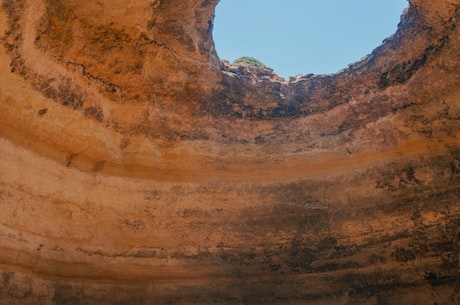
(250, 61)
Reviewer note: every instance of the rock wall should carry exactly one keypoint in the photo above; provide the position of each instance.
(137, 168)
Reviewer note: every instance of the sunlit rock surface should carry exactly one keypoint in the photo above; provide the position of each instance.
(137, 168)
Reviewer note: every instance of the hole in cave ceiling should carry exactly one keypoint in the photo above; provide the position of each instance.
(304, 36)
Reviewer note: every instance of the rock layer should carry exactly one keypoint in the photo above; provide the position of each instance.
(138, 168)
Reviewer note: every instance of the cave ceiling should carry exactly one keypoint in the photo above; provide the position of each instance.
(136, 167)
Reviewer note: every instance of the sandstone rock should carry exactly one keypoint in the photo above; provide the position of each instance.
(138, 168)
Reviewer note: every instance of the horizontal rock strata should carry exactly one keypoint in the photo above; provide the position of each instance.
(138, 168)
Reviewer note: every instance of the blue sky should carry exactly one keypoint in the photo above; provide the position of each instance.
(304, 36)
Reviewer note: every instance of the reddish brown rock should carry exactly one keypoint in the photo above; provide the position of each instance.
(137, 168)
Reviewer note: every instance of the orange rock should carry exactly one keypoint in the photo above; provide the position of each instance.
(138, 168)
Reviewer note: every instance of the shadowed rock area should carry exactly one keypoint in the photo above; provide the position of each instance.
(136, 167)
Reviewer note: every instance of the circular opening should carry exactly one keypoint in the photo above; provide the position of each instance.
(304, 36)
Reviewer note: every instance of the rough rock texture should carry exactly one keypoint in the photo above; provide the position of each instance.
(137, 168)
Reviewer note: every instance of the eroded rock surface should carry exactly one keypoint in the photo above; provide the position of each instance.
(137, 168)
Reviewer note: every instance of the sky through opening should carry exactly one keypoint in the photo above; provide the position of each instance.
(304, 36)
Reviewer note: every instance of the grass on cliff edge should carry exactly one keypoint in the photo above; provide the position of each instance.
(250, 61)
